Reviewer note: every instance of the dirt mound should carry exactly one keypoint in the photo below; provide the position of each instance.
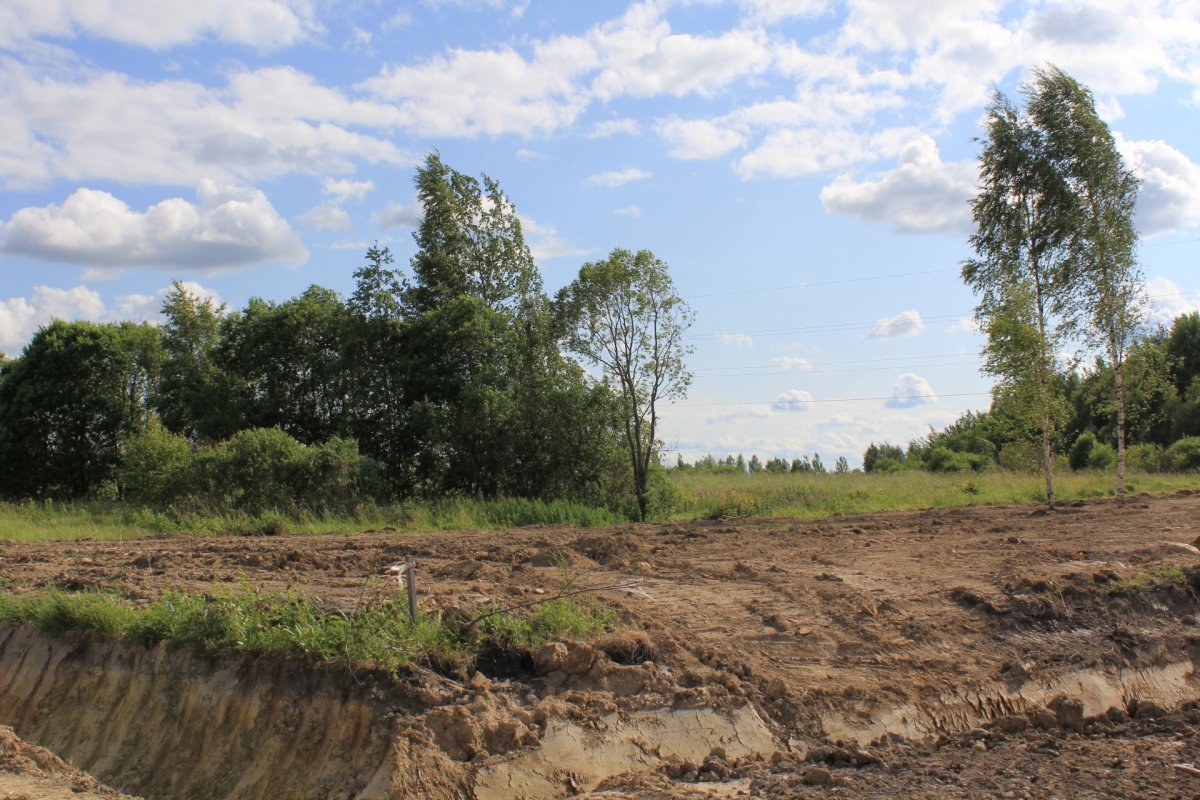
(29, 772)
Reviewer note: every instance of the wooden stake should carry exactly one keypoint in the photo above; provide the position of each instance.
(410, 573)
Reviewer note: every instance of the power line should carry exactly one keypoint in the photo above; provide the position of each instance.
(974, 361)
(815, 401)
(809, 285)
(807, 366)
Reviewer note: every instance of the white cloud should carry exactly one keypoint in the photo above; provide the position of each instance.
(793, 400)
(1170, 193)
(923, 193)
(345, 189)
(964, 325)
(612, 127)
(490, 92)
(20, 317)
(792, 363)
(545, 243)
(904, 324)
(327, 217)
(399, 215)
(266, 24)
(772, 11)
(740, 413)
(527, 154)
(1167, 301)
(910, 391)
(617, 177)
(737, 339)
(629, 211)
(698, 138)
(95, 125)
(229, 227)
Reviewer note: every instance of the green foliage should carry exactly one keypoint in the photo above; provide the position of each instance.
(66, 404)
(883, 457)
(155, 465)
(624, 315)
(1183, 455)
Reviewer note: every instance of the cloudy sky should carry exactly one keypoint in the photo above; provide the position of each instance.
(802, 165)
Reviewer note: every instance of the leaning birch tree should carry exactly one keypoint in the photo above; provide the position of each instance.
(1107, 284)
(1022, 245)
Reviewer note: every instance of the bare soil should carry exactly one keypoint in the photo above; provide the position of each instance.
(975, 652)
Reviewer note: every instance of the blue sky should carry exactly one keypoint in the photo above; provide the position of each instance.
(803, 166)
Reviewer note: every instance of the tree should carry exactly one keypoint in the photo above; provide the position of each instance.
(1105, 278)
(284, 361)
(624, 315)
(193, 399)
(1023, 244)
(69, 401)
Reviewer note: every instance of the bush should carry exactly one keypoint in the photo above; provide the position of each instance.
(1183, 455)
(1021, 457)
(1103, 456)
(1081, 449)
(943, 459)
(155, 466)
(1144, 457)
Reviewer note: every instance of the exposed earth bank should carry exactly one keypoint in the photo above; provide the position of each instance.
(975, 652)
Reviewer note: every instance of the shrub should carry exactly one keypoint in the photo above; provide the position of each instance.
(1144, 457)
(1102, 456)
(1183, 455)
(1081, 450)
(155, 465)
(1021, 457)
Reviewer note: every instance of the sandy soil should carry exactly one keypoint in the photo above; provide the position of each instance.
(942, 653)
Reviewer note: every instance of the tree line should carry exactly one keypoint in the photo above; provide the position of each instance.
(460, 378)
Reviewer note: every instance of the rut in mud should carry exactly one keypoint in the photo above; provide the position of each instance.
(971, 652)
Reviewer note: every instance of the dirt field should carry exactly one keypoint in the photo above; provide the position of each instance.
(978, 652)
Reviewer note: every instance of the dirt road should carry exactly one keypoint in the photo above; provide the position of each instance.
(972, 652)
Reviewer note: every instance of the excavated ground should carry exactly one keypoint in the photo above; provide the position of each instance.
(975, 652)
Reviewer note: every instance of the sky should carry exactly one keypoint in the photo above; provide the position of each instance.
(803, 166)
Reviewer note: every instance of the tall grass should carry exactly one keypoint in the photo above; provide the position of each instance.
(56, 521)
(696, 495)
(377, 634)
(708, 495)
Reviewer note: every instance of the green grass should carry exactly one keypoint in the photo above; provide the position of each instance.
(1165, 575)
(61, 521)
(377, 634)
(698, 495)
(714, 495)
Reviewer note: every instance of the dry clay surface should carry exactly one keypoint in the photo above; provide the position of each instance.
(974, 652)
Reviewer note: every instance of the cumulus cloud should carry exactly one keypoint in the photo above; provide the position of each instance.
(910, 391)
(229, 227)
(97, 125)
(612, 127)
(617, 177)
(698, 138)
(772, 11)
(793, 400)
(327, 216)
(342, 190)
(737, 339)
(399, 215)
(20, 317)
(923, 193)
(906, 323)
(1170, 193)
(546, 243)
(266, 24)
(1167, 301)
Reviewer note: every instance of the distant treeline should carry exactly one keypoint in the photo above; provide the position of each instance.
(1162, 418)
(447, 381)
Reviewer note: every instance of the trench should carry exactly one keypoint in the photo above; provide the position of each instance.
(161, 722)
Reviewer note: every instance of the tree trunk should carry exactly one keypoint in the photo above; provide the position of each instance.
(1047, 461)
(1118, 374)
